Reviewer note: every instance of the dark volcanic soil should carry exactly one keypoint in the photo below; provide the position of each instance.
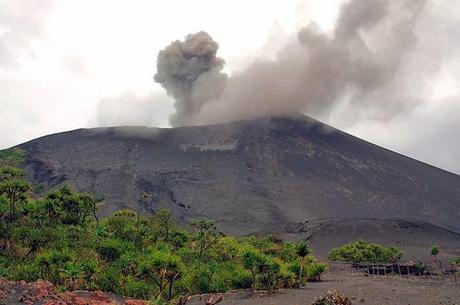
(295, 177)
(362, 290)
(413, 237)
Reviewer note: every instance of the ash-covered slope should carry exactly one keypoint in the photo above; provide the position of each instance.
(255, 176)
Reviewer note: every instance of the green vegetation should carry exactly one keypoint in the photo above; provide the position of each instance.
(455, 261)
(360, 251)
(302, 251)
(434, 252)
(58, 237)
(12, 156)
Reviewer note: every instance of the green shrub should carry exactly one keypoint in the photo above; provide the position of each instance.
(135, 288)
(361, 251)
(109, 280)
(201, 277)
(12, 156)
(315, 270)
(110, 249)
(241, 278)
(270, 273)
(24, 271)
(58, 238)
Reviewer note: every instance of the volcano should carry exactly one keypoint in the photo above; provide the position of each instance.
(295, 177)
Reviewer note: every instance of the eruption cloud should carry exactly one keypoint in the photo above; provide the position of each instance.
(191, 73)
(365, 63)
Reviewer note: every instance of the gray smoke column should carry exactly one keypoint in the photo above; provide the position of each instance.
(369, 65)
(191, 73)
(364, 63)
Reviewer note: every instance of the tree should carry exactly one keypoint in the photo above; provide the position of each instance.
(164, 216)
(51, 262)
(5, 230)
(252, 261)
(75, 207)
(178, 240)
(270, 269)
(73, 275)
(13, 187)
(33, 237)
(164, 269)
(434, 252)
(314, 271)
(51, 210)
(302, 250)
(207, 234)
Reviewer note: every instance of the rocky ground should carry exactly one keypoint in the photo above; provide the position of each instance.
(44, 293)
(361, 290)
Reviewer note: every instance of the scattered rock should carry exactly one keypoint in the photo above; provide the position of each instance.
(45, 293)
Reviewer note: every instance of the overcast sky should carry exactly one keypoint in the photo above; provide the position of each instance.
(67, 64)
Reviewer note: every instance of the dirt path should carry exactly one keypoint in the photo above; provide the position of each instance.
(362, 290)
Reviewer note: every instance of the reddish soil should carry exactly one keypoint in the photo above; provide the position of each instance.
(45, 293)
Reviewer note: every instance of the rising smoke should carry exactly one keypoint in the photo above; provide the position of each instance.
(191, 73)
(365, 62)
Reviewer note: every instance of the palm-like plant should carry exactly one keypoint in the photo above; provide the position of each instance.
(50, 208)
(163, 269)
(13, 187)
(252, 259)
(302, 250)
(73, 275)
(434, 252)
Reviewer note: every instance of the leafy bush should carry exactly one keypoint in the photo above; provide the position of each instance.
(110, 249)
(12, 156)
(109, 280)
(315, 270)
(58, 237)
(241, 279)
(361, 251)
(135, 288)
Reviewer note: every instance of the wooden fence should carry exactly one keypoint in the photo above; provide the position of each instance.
(432, 273)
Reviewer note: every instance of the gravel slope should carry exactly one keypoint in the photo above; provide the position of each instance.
(290, 176)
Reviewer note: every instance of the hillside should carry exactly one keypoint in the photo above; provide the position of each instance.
(270, 175)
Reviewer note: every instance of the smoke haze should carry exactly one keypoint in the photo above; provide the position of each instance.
(367, 62)
(383, 70)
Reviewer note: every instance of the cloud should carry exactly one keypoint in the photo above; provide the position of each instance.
(375, 74)
(133, 110)
(21, 22)
(367, 60)
(429, 133)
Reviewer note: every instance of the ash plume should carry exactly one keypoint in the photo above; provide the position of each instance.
(367, 62)
(191, 73)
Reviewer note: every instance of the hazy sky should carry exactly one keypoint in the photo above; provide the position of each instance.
(67, 64)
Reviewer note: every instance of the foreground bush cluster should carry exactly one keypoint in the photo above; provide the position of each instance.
(59, 238)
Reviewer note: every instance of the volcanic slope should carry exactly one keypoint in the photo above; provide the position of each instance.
(267, 175)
